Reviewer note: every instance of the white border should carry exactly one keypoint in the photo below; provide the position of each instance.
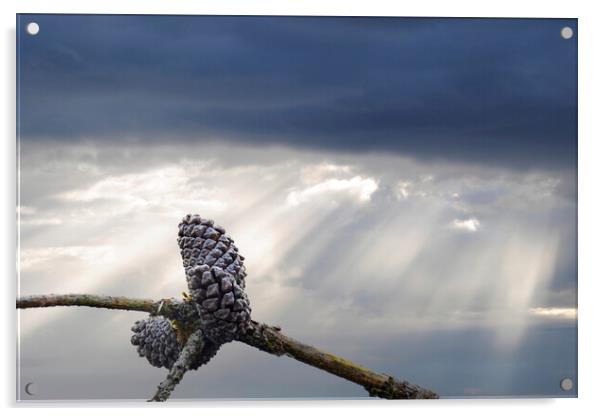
(590, 206)
(507, 8)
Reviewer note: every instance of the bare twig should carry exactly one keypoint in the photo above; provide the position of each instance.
(261, 336)
(194, 346)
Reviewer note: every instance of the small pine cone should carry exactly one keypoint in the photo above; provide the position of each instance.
(156, 340)
(203, 242)
(215, 278)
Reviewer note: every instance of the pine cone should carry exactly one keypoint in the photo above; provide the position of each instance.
(202, 242)
(216, 278)
(156, 340)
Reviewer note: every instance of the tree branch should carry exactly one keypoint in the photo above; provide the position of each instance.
(164, 307)
(261, 336)
(271, 340)
(194, 345)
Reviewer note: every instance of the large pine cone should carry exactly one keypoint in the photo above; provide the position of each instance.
(156, 340)
(202, 242)
(216, 278)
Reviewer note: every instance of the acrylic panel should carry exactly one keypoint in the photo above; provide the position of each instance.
(273, 207)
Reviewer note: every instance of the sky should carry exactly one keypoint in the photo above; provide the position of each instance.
(403, 191)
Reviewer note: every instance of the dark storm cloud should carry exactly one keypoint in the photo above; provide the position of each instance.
(490, 90)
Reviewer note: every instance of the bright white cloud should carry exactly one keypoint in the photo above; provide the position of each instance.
(312, 174)
(471, 224)
(405, 189)
(562, 313)
(359, 188)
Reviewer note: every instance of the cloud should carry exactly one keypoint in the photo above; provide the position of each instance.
(287, 81)
(405, 189)
(93, 256)
(315, 173)
(471, 225)
(357, 187)
(164, 188)
(283, 217)
(561, 313)
(371, 263)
